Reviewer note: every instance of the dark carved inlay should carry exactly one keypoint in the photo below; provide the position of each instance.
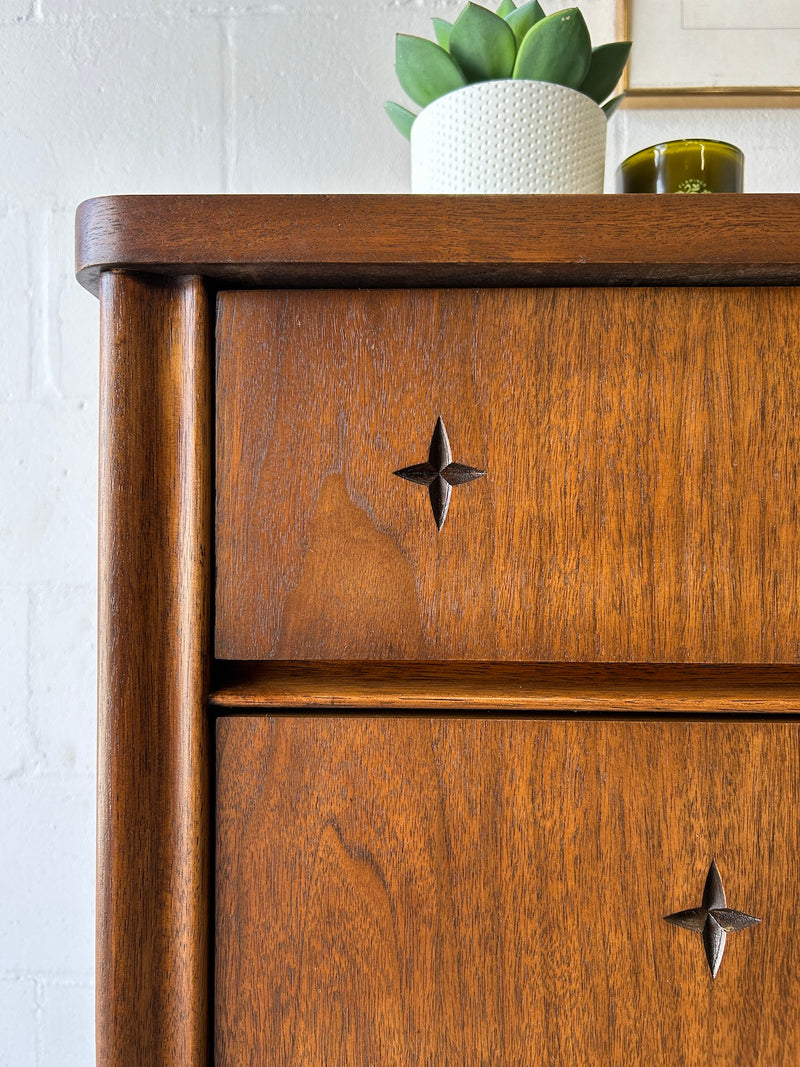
(714, 919)
(439, 474)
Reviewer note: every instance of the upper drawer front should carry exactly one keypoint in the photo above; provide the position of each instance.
(640, 496)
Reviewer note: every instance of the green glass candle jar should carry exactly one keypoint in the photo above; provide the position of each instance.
(690, 166)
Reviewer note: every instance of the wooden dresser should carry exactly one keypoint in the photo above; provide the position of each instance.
(449, 630)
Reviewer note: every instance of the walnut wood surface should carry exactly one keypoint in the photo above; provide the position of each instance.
(443, 891)
(441, 240)
(154, 832)
(502, 687)
(641, 497)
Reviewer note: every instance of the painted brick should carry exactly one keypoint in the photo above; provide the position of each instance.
(72, 9)
(16, 750)
(63, 671)
(66, 1027)
(73, 343)
(17, 1022)
(16, 10)
(15, 307)
(49, 504)
(335, 136)
(105, 105)
(80, 10)
(47, 876)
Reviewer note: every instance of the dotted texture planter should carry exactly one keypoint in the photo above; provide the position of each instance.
(509, 137)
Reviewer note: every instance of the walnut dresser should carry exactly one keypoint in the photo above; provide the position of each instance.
(449, 630)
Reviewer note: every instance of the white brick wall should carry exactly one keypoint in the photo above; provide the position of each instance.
(116, 96)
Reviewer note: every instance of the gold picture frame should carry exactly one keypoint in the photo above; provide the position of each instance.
(639, 94)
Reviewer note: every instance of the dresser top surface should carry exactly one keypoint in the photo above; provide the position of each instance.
(386, 240)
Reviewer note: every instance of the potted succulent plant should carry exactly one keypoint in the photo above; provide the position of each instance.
(514, 101)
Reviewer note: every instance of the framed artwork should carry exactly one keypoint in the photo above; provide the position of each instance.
(712, 48)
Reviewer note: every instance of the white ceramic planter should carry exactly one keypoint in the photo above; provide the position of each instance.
(509, 136)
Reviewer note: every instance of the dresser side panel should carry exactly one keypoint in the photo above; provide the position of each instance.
(154, 627)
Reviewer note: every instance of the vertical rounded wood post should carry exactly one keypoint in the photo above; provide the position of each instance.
(154, 640)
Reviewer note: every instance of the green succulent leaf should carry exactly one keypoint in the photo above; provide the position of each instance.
(483, 44)
(612, 105)
(400, 116)
(605, 70)
(442, 28)
(506, 8)
(557, 49)
(425, 71)
(525, 17)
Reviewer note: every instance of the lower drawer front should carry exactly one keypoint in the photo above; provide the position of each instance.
(488, 891)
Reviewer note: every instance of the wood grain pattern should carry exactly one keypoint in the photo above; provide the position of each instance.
(579, 688)
(493, 892)
(641, 497)
(444, 240)
(154, 832)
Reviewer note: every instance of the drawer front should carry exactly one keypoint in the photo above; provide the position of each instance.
(639, 501)
(494, 892)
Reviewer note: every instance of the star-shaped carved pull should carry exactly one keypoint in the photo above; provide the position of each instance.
(714, 919)
(440, 473)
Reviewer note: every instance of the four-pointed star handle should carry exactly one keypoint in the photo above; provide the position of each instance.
(440, 473)
(713, 919)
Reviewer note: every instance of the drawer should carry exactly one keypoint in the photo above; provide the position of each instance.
(639, 501)
(494, 891)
